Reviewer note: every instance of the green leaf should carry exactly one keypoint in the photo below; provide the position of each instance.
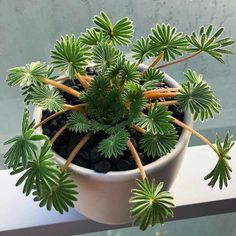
(28, 74)
(210, 42)
(159, 144)
(135, 101)
(149, 204)
(157, 121)
(129, 73)
(46, 97)
(142, 49)
(93, 37)
(105, 103)
(23, 147)
(197, 96)
(109, 129)
(151, 78)
(42, 170)
(120, 33)
(70, 56)
(222, 169)
(164, 38)
(61, 194)
(104, 56)
(77, 122)
(114, 145)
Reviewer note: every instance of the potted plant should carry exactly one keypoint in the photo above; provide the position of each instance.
(119, 128)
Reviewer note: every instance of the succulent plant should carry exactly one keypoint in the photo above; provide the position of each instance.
(117, 97)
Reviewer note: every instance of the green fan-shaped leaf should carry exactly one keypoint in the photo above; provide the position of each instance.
(135, 101)
(28, 74)
(123, 72)
(70, 55)
(222, 169)
(61, 194)
(93, 37)
(108, 107)
(210, 42)
(42, 170)
(120, 33)
(47, 98)
(104, 56)
(157, 121)
(23, 146)
(159, 144)
(142, 49)
(149, 204)
(77, 122)
(113, 72)
(151, 78)
(197, 96)
(164, 38)
(114, 145)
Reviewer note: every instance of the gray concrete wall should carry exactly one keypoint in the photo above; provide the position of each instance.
(29, 28)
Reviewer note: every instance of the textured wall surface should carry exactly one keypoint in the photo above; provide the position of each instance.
(29, 28)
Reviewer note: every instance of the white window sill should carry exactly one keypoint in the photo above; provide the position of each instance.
(19, 215)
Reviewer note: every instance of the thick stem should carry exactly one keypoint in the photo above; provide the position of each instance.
(137, 159)
(77, 148)
(82, 80)
(79, 107)
(61, 86)
(155, 95)
(156, 61)
(204, 139)
(162, 90)
(63, 79)
(48, 119)
(58, 133)
(138, 128)
(167, 103)
(179, 60)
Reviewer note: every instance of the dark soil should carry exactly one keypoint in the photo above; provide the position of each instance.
(89, 157)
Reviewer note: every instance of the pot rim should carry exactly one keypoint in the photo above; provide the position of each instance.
(113, 176)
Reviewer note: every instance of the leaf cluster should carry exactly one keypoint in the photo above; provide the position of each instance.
(120, 33)
(210, 42)
(40, 173)
(23, 146)
(29, 74)
(197, 96)
(70, 56)
(150, 205)
(222, 169)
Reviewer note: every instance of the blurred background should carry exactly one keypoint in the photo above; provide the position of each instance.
(29, 29)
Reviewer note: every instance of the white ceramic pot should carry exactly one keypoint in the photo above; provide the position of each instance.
(105, 197)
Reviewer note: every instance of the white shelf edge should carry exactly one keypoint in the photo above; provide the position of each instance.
(19, 215)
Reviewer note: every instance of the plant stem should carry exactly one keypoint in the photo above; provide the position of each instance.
(204, 139)
(58, 133)
(77, 148)
(137, 159)
(162, 90)
(158, 58)
(167, 103)
(155, 95)
(62, 79)
(138, 128)
(82, 80)
(179, 60)
(48, 119)
(79, 107)
(61, 86)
